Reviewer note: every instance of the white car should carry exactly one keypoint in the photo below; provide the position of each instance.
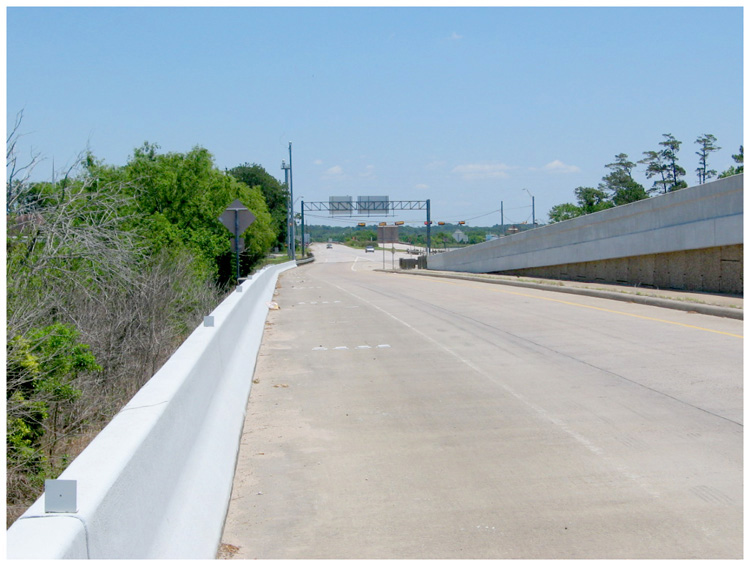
(370, 249)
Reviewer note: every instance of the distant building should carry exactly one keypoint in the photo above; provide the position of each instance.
(460, 237)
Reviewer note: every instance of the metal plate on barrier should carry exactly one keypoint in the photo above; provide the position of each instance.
(60, 496)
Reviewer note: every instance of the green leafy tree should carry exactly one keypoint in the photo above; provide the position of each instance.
(619, 183)
(707, 144)
(275, 194)
(592, 200)
(564, 211)
(441, 239)
(674, 171)
(739, 159)
(181, 196)
(589, 200)
(106, 267)
(361, 237)
(260, 236)
(656, 167)
(41, 372)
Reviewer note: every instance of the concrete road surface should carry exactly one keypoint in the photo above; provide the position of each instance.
(416, 417)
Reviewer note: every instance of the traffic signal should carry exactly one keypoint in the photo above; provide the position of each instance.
(462, 222)
(400, 223)
(441, 223)
(360, 224)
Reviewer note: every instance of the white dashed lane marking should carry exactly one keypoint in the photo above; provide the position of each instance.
(360, 347)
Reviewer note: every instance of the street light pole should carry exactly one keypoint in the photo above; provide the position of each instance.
(302, 210)
(533, 217)
(429, 223)
(289, 217)
(291, 199)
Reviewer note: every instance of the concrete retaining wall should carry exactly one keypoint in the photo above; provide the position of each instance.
(712, 270)
(156, 482)
(688, 239)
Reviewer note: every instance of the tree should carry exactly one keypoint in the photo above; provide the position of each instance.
(41, 373)
(17, 174)
(739, 159)
(707, 144)
(275, 194)
(674, 171)
(441, 238)
(656, 167)
(67, 248)
(564, 211)
(620, 183)
(181, 196)
(592, 200)
(108, 269)
(589, 200)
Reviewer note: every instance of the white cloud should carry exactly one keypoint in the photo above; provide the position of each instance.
(454, 36)
(335, 171)
(558, 166)
(472, 171)
(318, 162)
(369, 172)
(435, 165)
(421, 186)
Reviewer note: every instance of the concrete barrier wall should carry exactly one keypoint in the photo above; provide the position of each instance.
(713, 270)
(156, 482)
(705, 217)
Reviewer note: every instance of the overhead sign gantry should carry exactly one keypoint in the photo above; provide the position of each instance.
(366, 206)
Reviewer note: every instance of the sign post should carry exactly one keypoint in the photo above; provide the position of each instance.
(237, 218)
(387, 235)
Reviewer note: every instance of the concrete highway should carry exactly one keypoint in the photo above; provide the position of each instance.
(417, 417)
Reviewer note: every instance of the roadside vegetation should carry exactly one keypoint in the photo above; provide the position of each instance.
(661, 166)
(441, 234)
(108, 269)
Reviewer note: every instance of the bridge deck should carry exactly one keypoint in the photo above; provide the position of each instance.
(397, 417)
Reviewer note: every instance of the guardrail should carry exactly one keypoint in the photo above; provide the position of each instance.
(307, 259)
(156, 482)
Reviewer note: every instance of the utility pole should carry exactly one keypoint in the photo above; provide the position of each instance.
(533, 217)
(291, 198)
(302, 209)
(289, 215)
(429, 222)
(502, 220)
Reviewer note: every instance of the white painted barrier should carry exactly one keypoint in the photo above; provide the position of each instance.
(156, 482)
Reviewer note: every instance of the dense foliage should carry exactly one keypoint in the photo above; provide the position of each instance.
(274, 193)
(108, 269)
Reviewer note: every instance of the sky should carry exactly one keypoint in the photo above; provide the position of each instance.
(472, 108)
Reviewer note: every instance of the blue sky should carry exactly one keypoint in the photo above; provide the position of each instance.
(466, 107)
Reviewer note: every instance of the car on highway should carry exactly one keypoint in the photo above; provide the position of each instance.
(329, 246)
(370, 249)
